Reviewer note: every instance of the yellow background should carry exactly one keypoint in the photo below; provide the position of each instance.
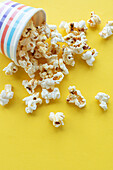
(85, 142)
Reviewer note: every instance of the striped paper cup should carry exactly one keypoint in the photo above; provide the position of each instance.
(13, 19)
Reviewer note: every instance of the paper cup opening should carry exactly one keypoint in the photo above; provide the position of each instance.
(38, 17)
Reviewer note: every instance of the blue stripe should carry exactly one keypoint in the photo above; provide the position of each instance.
(6, 13)
(13, 30)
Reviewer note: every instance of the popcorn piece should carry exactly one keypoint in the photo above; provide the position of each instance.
(63, 67)
(34, 35)
(89, 56)
(6, 95)
(56, 37)
(57, 118)
(23, 53)
(58, 77)
(30, 85)
(46, 71)
(28, 44)
(30, 67)
(54, 49)
(49, 83)
(81, 26)
(77, 42)
(44, 30)
(55, 94)
(72, 37)
(74, 26)
(64, 25)
(78, 47)
(107, 30)
(10, 69)
(53, 60)
(94, 20)
(103, 99)
(76, 97)
(52, 27)
(68, 56)
(41, 49)
(31, 102)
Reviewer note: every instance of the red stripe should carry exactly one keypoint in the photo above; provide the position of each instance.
(7, 26)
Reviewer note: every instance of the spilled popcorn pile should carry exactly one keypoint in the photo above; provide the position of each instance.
(39, 53)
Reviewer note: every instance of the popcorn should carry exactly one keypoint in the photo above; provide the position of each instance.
(30, 67)
(78, 47)
(94, 20)
(10, 69)
(58, 77)
(68, 56)
(26, 33)
(56, 37)
(34, 36)
(81, 26)
(89, 56)
(31, 102)
(23, 53)
(74, 26)
(28, 44)
(44, 30)
(49, 83)
(107, 30)
(77, 42)
(110, 23)
(42, 49)
(103, 99)
(76, 97)
(6, 95)
(53, 60)
(55, 94)
(63, 67)
(46, 71)
(57, 118)
(30, 85)
(52, 27)
(71, 38)
(64, 25)
(54, 48)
